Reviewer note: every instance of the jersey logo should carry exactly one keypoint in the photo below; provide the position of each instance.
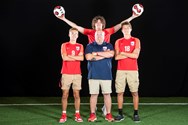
(132, 43)
(77, 48)
(104, 48)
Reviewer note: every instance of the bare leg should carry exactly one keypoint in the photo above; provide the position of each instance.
(76, 99)
(107, 102)
(64, 99)
(135, 100)
(93, 102)
(120, 100)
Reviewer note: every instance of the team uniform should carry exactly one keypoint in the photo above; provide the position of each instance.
(91, 34)
(127, 69)
(99, 72)
(71, 71)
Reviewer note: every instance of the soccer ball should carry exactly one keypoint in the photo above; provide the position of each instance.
(59, 11)
(138, 9)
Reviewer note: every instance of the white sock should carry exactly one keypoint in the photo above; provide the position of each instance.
(77, 111)
(64, 112)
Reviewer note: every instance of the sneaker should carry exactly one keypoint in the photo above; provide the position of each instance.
(104, 110)
(63, 118)
(109, 117)
(92, 117)
(119, 118)
(136, 118)
(78, 117)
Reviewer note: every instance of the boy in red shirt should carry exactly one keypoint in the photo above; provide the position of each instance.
(127, 51)
(72, 54)
(98, 23)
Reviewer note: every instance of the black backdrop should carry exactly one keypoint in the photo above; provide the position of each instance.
(31, 37)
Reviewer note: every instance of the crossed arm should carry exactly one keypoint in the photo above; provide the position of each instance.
(66, 57)
(80, 57)
(94, 56)
(122, 55)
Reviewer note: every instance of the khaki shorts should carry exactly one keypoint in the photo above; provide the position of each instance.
(124, 77)
(67, 80)
(94, 86)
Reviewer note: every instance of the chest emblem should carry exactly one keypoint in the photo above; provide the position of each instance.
(132, 43)
(77, 48)
(104, 48)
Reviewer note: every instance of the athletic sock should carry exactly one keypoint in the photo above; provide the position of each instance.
(77, 111)
(135, 112)
(120, 111)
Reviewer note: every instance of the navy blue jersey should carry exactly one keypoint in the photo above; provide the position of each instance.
(100, 69)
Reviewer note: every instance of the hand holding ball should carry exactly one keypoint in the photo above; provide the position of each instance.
(137, 9)
(59, 11)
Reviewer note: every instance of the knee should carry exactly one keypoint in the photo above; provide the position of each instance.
(65, 96)
(94, 96)
(106, 95)
(76, 96)
(134, 94)
(120, 94)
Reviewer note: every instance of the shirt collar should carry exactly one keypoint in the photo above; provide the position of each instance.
(95, 43)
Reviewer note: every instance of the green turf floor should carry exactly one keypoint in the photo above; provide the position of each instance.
(49, 114)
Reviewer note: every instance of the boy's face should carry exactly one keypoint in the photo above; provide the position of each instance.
(73, 34)
(98, 25)
(126, 29)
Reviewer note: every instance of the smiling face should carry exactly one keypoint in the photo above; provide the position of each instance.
(73, 35)
(99, 37)
(126, 28)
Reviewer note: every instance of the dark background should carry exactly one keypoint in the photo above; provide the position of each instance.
(31, 38)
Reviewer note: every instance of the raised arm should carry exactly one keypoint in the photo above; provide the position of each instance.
(72, 24)
(118, 26)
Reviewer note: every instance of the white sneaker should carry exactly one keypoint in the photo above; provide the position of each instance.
(104, 110)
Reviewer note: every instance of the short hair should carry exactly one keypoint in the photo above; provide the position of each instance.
(96, 18)
(71, 29)
(103, 33)
(126, 23)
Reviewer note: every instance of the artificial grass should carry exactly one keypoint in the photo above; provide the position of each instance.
(50, 114)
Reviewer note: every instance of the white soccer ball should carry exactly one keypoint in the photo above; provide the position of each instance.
(59, 11)
(138, 9)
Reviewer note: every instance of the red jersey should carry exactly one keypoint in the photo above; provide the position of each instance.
(91, 34)
(71, 67)
(128, 46)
